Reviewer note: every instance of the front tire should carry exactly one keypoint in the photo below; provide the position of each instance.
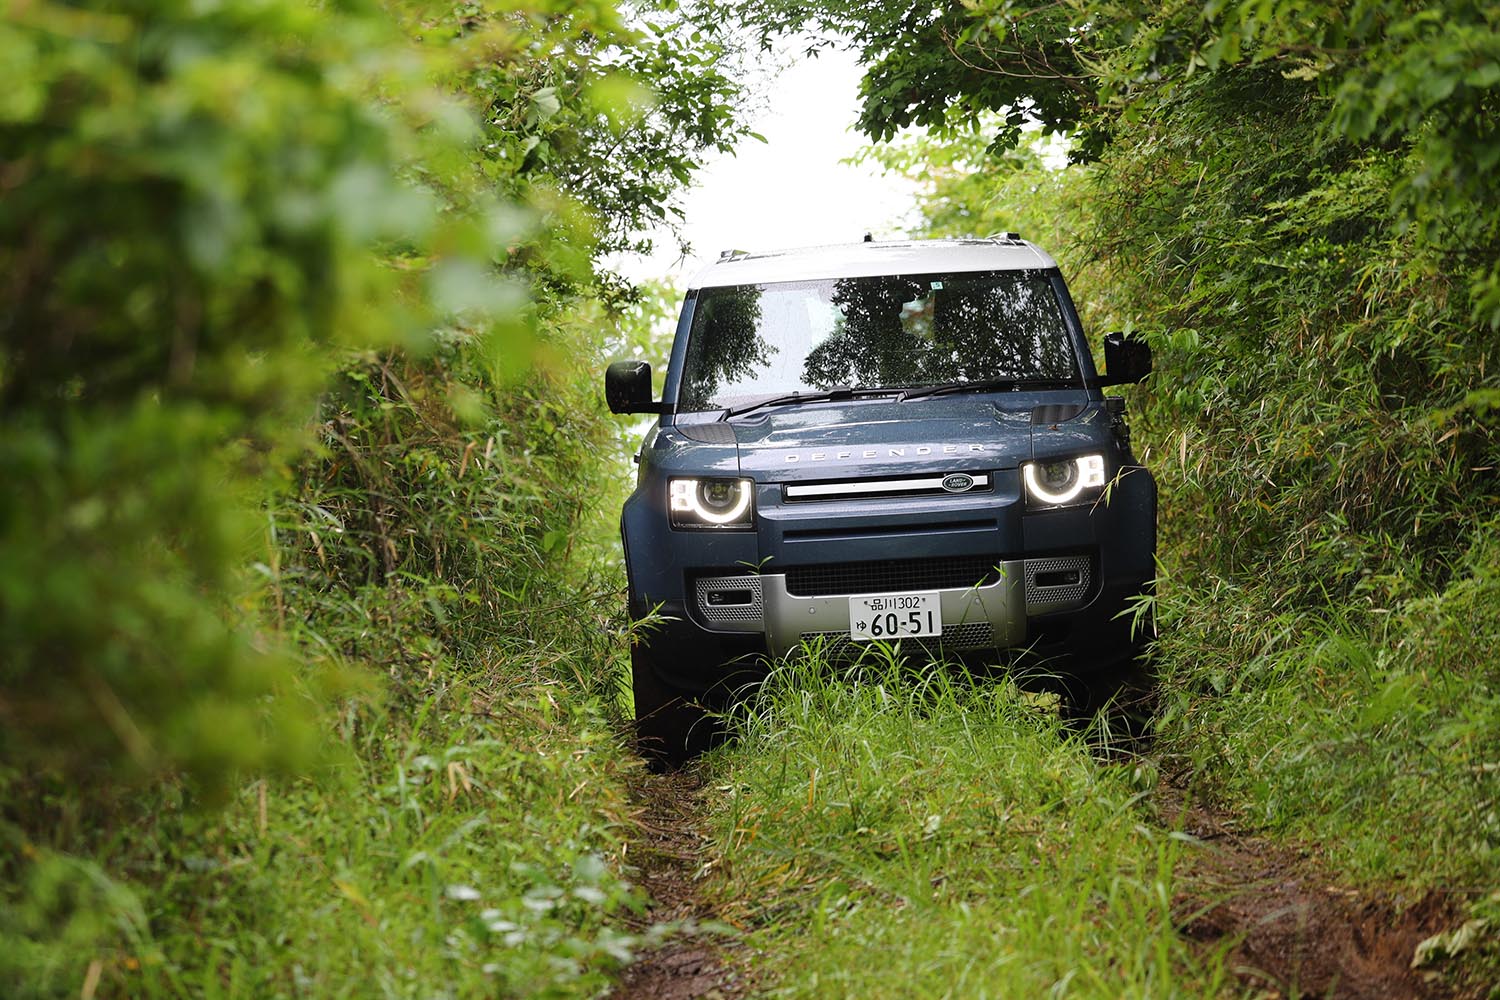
(1117, 705)
(671, 727)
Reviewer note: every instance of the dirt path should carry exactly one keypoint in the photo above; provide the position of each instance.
(1291, 929)
(670, 861)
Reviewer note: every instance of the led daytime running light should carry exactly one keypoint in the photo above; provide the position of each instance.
(685, 499)
(1090, 475)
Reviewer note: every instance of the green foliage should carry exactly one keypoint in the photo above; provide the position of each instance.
(1416, 80)
(1367, 730)
(944, 67)
(1312, 387)
(1412, 79)
(576, 103)
(444, 493)
(1280, 212)
(183, 227)
(302, 426)
(441, 852)
(451, 487)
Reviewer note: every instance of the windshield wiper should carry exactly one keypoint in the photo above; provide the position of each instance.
(837, 392)
(987, 385)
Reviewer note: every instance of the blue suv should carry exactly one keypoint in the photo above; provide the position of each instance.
(882, 442)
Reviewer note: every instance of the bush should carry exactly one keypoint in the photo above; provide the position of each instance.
(186, 203)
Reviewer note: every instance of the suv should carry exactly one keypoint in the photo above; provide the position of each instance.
(882, 441)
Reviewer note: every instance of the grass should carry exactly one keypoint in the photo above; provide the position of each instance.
(888, 830)
(465, 838)
(897, 831)
(1370, 734)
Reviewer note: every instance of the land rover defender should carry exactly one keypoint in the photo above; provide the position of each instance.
(881, 442)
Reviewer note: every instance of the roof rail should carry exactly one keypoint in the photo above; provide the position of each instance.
(1005, 236)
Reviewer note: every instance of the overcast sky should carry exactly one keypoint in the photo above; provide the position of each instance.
(791, 190)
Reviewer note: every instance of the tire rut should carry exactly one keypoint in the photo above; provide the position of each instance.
(1290, 928)
(670, 856)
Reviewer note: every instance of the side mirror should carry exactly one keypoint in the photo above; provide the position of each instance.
(1126, 359)
(627, 388)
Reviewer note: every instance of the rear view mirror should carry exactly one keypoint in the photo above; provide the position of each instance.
(1126, 359)
(627, 388)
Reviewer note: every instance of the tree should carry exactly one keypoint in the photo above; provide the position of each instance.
(945, 67)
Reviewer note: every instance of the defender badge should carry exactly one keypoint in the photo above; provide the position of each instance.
(958, 483)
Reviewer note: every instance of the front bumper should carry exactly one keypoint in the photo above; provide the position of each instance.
(986, 615)
(973, 617)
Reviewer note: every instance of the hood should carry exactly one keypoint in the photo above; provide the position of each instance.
(881, 437)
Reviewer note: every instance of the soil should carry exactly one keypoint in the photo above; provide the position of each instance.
(669, 859)
(1290, 929)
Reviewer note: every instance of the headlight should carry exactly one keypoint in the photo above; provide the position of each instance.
(1064, 481)
(712, 503)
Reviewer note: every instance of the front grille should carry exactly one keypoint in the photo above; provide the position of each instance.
(890, 575)
(970, 635)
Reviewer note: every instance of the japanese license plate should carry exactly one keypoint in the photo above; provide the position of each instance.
(894, 616)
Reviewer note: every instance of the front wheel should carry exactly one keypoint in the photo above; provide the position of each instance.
(1117, 705)
(670, 727)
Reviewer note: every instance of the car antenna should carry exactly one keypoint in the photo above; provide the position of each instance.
(869, 238)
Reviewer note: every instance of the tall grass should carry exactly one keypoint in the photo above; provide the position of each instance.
(460, 829)
(898, 829)
(1369, 733)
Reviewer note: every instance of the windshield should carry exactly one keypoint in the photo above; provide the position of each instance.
(749, 342)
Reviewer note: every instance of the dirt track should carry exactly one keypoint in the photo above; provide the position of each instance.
(669, 861)
(1290, 929)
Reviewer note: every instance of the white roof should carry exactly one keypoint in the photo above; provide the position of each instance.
(859, 260)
